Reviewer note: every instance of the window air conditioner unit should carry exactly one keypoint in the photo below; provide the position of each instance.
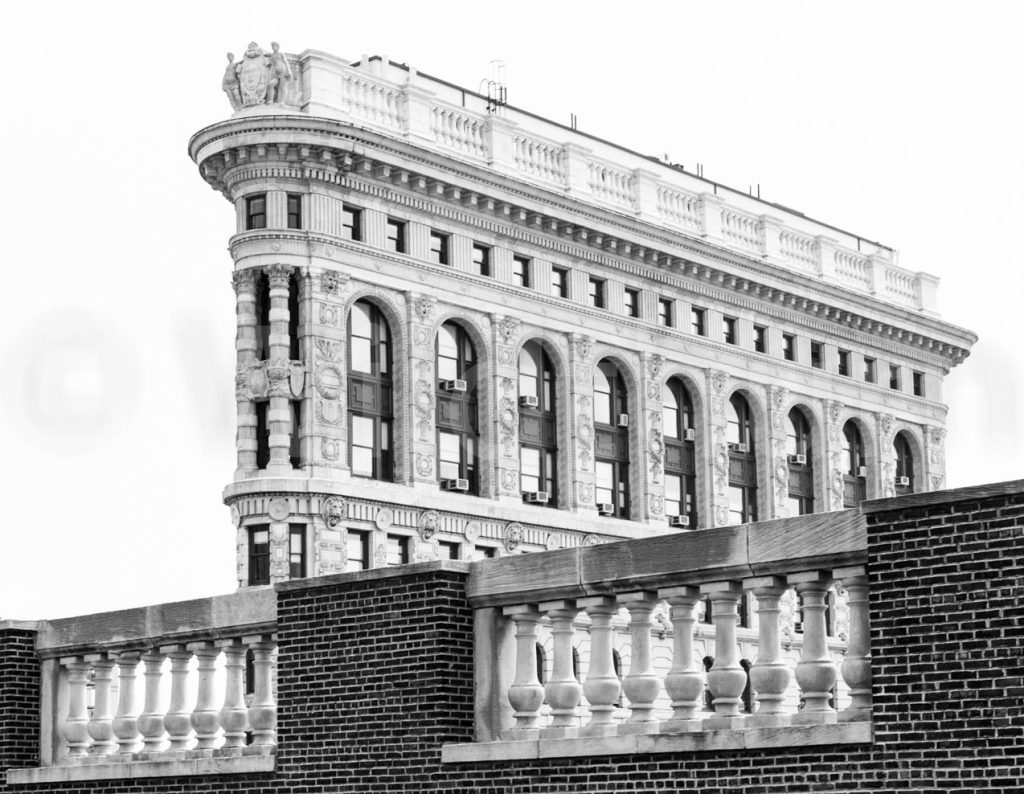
(679, 521)
(903, 480)
(689, 434)
(862, 472)
(528, 401)
(537, 497)
(460, 484)
(454, 385)
(605, 509)
(736, 447)
(799, 460)
(623, 420)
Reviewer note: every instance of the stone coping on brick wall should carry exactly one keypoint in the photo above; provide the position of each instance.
(949, 497)
(376, 574)
(148, 765)
(633, 743)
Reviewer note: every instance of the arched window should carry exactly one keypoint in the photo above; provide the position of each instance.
(855, 470)
(801, 471)
(680, 466)
(457, 422)
(904, 464)
(538, 437)
(611, 441)
(369, 392)
(742, 465)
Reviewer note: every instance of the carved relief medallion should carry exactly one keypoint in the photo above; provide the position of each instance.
(278, 509)
(512, 536)
(429, 523)
(384, 518)
(334, 511)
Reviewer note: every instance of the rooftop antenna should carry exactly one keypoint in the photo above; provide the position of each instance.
(572, 121)
(497, 91)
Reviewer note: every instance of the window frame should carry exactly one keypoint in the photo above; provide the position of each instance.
(480, 258)
(439, 254)
(596, 292)
(760, 339)
(352, 223)
(463, 406)
(844, 358)
(297, 559)
(631, 302)
(611, 440)
(538, 425)
(817, 354)
(742, 457)
(255, 219)
(698, 321)
(666, 312)
(395, 242)
(680, 450)
(559, 281)
(365, 559)
(789, 347)
(730, 333)
(521, 275)
(259, 561)
(917, 383)
(294, 216)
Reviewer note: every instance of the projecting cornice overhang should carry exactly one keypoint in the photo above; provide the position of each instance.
(258, 147)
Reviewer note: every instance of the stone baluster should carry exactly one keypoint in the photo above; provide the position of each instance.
(126, 723)
(234, 716)
(770, 675)
(177, 720)
(75, 729)
(205, 718)
(279, 413)
(685, 681)
(244, 282)
(726, 679)
(151, 721)
(100, 725)
(815, 672)
(602, 686)
(526, 693)
(641, 686)
(856, 667)
(562, 691)
(262, 710)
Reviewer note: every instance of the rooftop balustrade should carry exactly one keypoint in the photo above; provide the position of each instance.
(519, 717)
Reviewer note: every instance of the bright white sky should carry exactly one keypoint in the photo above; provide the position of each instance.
(901, 122)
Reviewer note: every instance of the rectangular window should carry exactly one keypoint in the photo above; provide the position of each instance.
(259, 554)
(397, 549)
(256, 212)
(697, 322)
(438, 248)
(844, 362)
(296, 551)
(481, 259)
(789, 347)
(760, 339)
(729, 330)
(559, 282)
(395, 236)
(351, 223)
(485, 552)
(918, 384)
(595, 292)
(816, 357)
(869, 370)
(631, 302)
(521, 271)
(894, 376)
(358, 551)
(294, 211)
(665, 312)
(262, 435)
(295, 444)
(449, 551)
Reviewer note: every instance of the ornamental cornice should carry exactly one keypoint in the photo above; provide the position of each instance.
(471, 208)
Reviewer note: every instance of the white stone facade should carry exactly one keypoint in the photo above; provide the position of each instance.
(388, 143)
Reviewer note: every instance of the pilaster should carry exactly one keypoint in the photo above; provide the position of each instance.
(423, 428)
(934, 458)
(718, 389)
(832, 455)
(506, 332)
(652, 440)
(581, 420)
(327, 370)
(778, 477)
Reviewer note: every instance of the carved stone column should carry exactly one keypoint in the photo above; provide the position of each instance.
(778, 420)
(640, 685)
(526, 693)
(126, 724)
(685, 681)
(581, 420)
(856, 667)
(562, 691)
(234, 716)
(262, 710)
(151, 721)
(653, 443)
(205, 718)
(100, 726)
(602, 685)
(815, 672)
(279, 415)
(770, 675)
(726, 679)
(832, 456)
(328, 371)
(423, 377)
(506, 332)
(244, 282)
(177, 720)
(718, 392)
(934, 458)
(75, 728)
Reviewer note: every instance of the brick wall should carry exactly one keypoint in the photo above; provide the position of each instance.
(19, 699)
(375, 674)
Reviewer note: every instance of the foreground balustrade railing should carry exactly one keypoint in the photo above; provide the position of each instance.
(563, 716)
(183, 688)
